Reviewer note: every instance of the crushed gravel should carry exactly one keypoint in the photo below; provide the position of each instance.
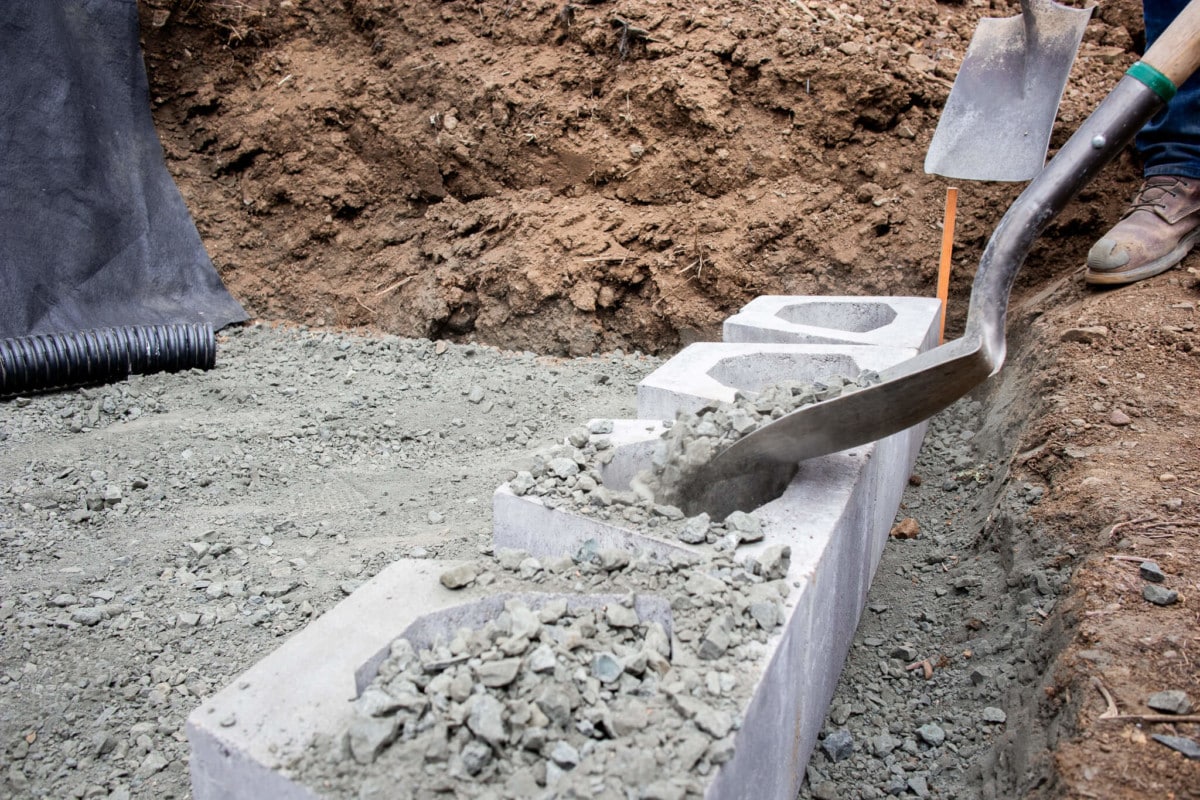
(159, 535)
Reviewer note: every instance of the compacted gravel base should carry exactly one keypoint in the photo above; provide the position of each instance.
(160, 535)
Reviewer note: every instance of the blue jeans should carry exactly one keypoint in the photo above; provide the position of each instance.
(1170, 143)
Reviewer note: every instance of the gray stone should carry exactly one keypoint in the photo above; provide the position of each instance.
(554, 703)
(932, 734)
(88, 615)
(695, 531)
(436, 517)
(720, 751)
(461, 576)
(994, 715)
(838, 745)
(767, 615)
(486, 719)
(495, 674)
(905, 653)
(563, 467)
(606, 668)
(716, 641)
(1171, 701)
(542, 659)
(475, 757)
(1150, 571)
(611, 559)
(714, 722)
(368, 736)
(745, 526)
(619, 616)
(918, 786)
(1158, 595)
(375, 702)
(704, 585)
(773, 562)
(564, 755)
(1189, 747)
(522, 483)
(883, 744)
(827, 790)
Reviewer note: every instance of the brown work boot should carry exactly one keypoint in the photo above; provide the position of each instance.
(1161, 225)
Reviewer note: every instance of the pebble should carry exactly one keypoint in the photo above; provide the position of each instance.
(486, 719)
(564, 755)
(994, 715)
(932, 734)
(838, 745)
(1182, 744)
(619, 616)
(1159, 595)
(1150, 571)
(1118, 418)
(1171, 701)
(883, 744)
(89, 616)
(460, 576)
(368, 736)
(606, 668)
(475, 757)
(436, 517)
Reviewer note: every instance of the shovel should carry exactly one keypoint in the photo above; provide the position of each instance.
(757, 468)
(996, 124)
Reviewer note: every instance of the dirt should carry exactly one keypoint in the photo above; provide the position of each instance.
(569, 179)
(573, 177)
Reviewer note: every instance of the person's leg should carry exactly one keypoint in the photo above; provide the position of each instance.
(1162, 224)
(1170, 143)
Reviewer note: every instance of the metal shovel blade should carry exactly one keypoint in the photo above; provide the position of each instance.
(757, 467)
(996, 124)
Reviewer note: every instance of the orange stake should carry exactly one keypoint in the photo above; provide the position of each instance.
(943, 282)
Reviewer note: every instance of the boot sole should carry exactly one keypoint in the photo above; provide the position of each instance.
(1118, 277)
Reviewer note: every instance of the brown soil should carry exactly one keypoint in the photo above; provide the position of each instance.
(583, 176)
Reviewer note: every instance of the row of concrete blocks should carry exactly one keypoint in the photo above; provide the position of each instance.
(835, 516)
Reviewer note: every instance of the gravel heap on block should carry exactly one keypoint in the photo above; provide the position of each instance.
(592, 702)
(570, 475)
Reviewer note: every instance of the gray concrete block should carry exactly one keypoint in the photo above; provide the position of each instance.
(880, 321)
(716, 371)
(835, 515)
(243, 737)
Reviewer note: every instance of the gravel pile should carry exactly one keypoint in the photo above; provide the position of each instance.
(570, 475)
(946, 671)
(558, 701)
(160, 535)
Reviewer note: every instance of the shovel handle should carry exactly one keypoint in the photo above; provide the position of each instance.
(1176, 53)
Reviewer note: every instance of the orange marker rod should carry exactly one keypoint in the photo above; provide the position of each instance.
(943, 282)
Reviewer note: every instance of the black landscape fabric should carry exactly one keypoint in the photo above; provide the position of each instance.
(93, 231)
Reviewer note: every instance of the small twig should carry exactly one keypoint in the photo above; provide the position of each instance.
(393, 287)
(611, 259)
(925, 666)
(1111, 711)
(1135, 559)
(1118, 525)
(364, 305)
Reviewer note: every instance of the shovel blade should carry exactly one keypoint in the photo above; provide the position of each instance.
(996, 124)
(758, 467)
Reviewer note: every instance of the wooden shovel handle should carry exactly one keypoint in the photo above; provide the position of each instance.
(1176, 53)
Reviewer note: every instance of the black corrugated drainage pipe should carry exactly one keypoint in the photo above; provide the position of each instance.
(63, 360)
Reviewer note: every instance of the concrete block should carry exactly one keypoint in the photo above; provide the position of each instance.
(715, 371)
(243, 737)
(880, 321)
(835, 515)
